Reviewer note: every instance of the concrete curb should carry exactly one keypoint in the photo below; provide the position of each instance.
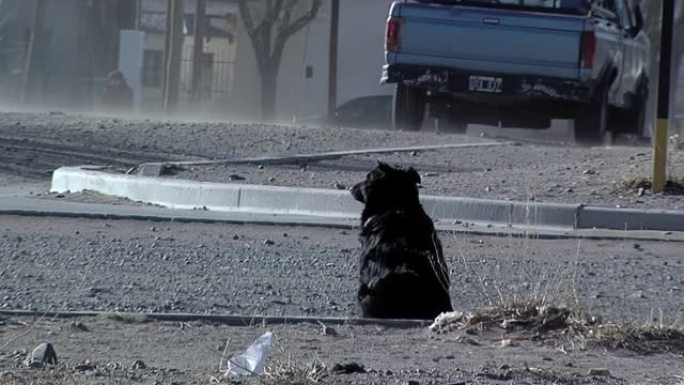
(230, 320)
(183, 194)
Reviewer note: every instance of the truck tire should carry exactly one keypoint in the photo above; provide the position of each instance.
(408, 108)
(454, 122)
(591, 121)
(454, 125)
(636, 117)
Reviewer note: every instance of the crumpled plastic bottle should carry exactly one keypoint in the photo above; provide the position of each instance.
(253, 360)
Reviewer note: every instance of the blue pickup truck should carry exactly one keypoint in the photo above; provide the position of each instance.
(519, 63)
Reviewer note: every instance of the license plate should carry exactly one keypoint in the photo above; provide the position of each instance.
(485, 84)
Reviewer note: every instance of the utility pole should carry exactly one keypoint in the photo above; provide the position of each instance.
(198, 49)
(333, 53)
(663, 117)
(172, 54)
(34, 43)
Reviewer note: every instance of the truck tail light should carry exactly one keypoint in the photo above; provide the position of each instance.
(392, 34)
(588, 49)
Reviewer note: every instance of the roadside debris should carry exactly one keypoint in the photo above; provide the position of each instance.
(253, 360)
(599, 372)
(348, 368)
(41, 355)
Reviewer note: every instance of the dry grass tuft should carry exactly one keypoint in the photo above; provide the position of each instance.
(649, 338)
(553, 322)
(672, 187)
(514, 317)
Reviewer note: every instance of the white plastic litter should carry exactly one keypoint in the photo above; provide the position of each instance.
(253, 360)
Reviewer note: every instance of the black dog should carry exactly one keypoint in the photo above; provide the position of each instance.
(402, 270)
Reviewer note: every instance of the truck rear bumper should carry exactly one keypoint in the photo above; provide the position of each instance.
(487, 85)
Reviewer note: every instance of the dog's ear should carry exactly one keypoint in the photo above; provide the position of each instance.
(384, 167)
(413, 174)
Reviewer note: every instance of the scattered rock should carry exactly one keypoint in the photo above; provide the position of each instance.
(139, 365)
(85, 366)
(348, 368)
(235, 177)
(41, 355)
(589, 172)
(599, 372)
(340, 186)
(79, 326)
(268, 242)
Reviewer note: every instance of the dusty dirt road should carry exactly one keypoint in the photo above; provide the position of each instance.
(74, 264)
(32, 145)
(68, 264)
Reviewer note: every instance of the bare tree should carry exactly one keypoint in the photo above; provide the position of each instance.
(280, 20)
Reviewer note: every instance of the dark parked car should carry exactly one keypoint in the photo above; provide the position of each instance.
(364, 112)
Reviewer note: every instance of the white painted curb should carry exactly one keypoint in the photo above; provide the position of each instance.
(183, 194)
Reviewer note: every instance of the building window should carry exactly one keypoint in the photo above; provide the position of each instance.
(152, 68)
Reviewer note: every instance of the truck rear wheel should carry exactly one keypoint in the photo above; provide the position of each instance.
(636, 124)
(408, 108)
(591, 121)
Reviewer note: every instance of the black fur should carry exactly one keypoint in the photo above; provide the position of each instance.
(402, 270)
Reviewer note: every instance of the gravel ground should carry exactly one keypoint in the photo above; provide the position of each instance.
(31, 145)
(76, 264)
(190, 353)
(64, 264)
(72, 264)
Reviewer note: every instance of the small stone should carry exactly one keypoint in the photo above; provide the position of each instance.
(236, 237)
(599, 372)
(412, 382)
(271, 180)
(260, 167)
(589, 172)
(60, 195)
(488, 189)
(507, 343)
(569, 190)
(79, 326)
(340, 186)
(637, 246)
(139, 365)
(268, 242)
(640, 192)
(414, 153)
(234, 177)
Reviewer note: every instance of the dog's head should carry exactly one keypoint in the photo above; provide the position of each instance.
(386, 186)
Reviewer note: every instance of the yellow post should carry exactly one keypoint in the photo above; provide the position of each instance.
(660, 155)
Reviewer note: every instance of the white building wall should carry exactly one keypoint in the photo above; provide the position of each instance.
(296, 96)
(361, 48)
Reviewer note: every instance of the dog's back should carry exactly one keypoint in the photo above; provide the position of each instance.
(403, 274)
(402, 268)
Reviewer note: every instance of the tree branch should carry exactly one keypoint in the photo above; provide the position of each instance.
(288, 29)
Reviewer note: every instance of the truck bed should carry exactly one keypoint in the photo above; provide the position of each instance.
(481, 39)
